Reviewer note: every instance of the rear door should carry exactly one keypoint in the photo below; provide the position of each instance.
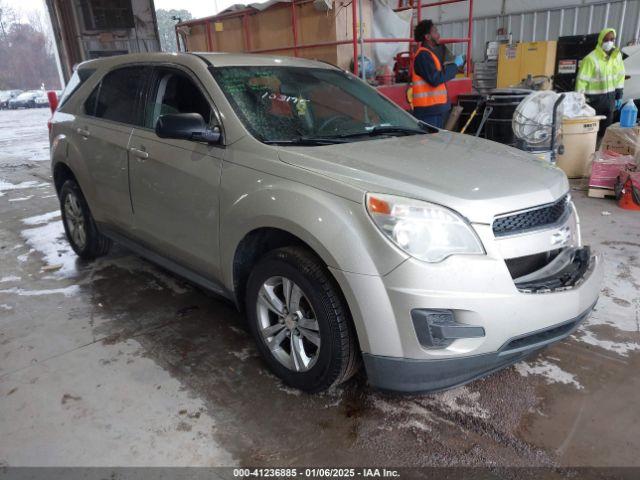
(103, 134)
(175, 183)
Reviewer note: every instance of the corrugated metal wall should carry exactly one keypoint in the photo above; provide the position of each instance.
(549, 24)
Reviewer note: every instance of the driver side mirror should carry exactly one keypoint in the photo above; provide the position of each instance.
(187, 126)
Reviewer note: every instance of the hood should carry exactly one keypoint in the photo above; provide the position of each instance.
(477, 178)
(602, 34)
(599, 49)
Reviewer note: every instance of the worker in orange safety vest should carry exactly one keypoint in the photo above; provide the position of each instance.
(429, 93)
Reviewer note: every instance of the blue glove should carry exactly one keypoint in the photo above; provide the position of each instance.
(618, 104)
(459, 61)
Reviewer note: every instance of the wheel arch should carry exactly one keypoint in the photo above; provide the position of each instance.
(61, 173)
(67, 164)
(258, 242)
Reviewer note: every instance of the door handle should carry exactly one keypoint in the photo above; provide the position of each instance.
(83, 132)
(136, 152)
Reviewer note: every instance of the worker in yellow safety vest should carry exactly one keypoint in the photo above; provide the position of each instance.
(429, 93)
(601, 77)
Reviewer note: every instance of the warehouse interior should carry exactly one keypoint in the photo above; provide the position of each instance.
(126, 361)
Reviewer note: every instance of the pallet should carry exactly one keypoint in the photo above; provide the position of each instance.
(597, 192)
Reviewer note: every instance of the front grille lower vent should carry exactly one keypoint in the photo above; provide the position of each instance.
(545, 336)
(531, 219)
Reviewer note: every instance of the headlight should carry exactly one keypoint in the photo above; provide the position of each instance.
(426, 231)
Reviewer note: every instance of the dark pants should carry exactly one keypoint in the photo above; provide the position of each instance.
(435, 120)
(436, 116)
(604, 104)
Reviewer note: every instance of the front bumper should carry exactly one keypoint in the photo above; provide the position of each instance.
(479, 292)
(412, 375)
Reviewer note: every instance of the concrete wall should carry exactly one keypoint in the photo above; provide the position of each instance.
(76, 42)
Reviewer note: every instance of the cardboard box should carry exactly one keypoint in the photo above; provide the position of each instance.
(625, 141)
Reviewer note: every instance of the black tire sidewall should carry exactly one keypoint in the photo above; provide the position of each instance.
(320, 375)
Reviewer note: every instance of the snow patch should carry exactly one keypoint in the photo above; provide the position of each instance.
(289, 390)
(67, 291)
(243, 354)
(10, 278)
(418, 412)
(4, 306)
(551, 372)
(618, 305)
(6, 186)
(50, 241)
(621, 348)
(25, 256)
(21, 199)
(410, 414)
(41, 219)
(414, 424)
(461, 400)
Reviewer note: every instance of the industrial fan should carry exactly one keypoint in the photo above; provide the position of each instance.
(535, 122)
(537, 118)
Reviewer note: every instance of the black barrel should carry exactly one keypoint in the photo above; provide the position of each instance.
(469, 102)
(503, 103)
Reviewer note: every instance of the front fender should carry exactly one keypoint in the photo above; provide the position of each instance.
(337, 229)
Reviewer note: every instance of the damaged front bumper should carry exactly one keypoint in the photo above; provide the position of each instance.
(566, 271)
(432, 327)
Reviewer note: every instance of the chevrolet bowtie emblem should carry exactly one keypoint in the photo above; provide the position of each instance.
(561, 237)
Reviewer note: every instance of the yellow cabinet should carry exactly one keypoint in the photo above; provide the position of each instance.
(515, 62)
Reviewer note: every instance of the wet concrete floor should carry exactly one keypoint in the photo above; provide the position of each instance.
(118, 362)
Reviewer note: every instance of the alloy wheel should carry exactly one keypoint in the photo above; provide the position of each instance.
(74, 219)
(288, 324)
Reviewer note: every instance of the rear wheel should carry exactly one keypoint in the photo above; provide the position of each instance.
(79, 226)
(300, 321)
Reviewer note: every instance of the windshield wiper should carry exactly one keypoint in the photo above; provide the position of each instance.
(305, 141)
(386, 130)
(343, 137)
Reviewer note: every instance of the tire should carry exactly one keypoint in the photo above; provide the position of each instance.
(79, 226)
(325, 317)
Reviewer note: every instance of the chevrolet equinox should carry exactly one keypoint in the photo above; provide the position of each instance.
(345, 230)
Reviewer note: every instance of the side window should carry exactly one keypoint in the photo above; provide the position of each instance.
(116, 97)
(90, 103)
(175, 92)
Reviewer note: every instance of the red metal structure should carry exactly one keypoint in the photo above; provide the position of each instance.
(390, 91)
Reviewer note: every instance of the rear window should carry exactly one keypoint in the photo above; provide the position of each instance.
(77, 79)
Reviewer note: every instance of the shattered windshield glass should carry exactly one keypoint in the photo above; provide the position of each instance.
(281, 104)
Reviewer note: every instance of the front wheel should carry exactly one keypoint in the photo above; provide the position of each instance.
(300, 321)
(79, 226)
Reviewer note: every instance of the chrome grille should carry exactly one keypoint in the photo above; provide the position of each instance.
(531, 219)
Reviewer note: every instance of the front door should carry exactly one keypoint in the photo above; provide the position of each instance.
(175, 183)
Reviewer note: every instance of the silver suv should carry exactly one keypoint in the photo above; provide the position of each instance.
(347, 231)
